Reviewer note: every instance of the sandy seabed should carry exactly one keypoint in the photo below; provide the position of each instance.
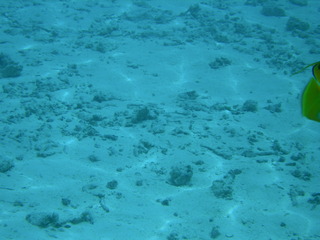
(174, 120)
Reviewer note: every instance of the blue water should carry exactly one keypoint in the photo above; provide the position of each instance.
(155, 120)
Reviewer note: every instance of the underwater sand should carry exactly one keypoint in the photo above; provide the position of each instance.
(158, 120)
